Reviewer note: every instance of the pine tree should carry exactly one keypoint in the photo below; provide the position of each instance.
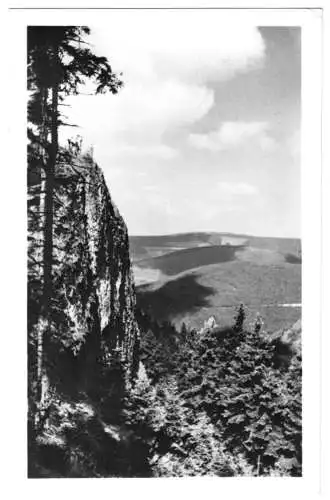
(239, 319)
(255, 406)
(142, 416)
(57, 66)
(184, 331)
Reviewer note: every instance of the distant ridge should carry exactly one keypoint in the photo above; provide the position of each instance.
(201, 233)
(143, 247)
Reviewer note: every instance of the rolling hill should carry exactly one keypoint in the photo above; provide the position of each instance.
(190, 277)
(142, 247)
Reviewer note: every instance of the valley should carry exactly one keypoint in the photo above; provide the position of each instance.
(190, 277)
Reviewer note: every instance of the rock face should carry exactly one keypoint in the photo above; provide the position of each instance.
(93, 298)
(210, 323)
(293, 336)
(287, 343)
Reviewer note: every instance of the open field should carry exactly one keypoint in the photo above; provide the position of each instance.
(210, 279)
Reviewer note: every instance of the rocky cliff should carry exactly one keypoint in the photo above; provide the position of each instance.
(93, 299)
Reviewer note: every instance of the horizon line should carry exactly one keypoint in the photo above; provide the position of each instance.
(213, 232)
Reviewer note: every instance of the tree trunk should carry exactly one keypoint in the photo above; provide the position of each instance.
(41, 233)
(48, 229)
(45, 323)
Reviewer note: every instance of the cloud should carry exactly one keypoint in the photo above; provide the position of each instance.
(188, 46)
(151, 188)
(161, 151)
(157, 107)
(134, 121)
(169, 62)
(232, 189)
(294, 145)
(234, 134)
(204, 55)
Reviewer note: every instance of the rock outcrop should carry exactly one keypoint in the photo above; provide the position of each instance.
(93, 298)
(287, 343)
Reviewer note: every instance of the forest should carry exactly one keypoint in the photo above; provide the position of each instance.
(113, 392)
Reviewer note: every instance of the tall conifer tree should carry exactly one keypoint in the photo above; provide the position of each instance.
(59, 62)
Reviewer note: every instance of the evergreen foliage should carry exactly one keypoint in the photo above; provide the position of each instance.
(239, 318)
(174, 440)
(230, 377)
(223, 408)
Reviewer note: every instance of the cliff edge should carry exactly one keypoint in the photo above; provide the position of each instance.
(91, 330)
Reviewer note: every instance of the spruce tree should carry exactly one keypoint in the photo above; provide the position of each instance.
(239, 318)
(58, 63)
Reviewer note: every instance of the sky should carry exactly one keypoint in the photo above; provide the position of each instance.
(204, 135)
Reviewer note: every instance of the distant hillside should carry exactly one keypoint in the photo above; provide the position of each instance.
(188, 258)
(216, 290)
(189, 277)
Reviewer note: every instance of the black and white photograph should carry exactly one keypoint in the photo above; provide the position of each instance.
(164, 245)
